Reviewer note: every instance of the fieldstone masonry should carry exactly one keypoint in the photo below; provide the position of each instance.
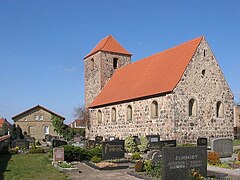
(203, 80)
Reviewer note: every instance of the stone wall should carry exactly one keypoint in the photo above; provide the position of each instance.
(203, 81)
(28, 119)
(97, 77)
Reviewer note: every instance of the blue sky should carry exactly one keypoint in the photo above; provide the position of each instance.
(42, 43)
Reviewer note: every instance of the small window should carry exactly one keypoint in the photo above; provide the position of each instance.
(40, 117)
(46, 130)
(92, 64)
(204, 52)
(154, 109)
(113, 115)
(115, 63)
(36, 117)
(220, 109)
(129, 113)
(30, 130)
(192, 108)
(99, 116)
(203, 72)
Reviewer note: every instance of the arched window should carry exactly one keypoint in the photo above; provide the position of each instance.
(30, 129)
(46, 129)
(192, 111)
(115, 63)
(129, 113)
(114, 115)
(154, 109)
(99, 116)
(219, 109)
(92, 64)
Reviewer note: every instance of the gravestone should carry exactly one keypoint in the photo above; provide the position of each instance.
(77, 138)
(137, 140)
(82, 144)
(58, 154)
(202, 141)
(57, 143)
(178, 162)
(98, 139)
(156, 157)
(168, 143)
(223, 146)
(154, 141)
(113, 149)
(21, 143)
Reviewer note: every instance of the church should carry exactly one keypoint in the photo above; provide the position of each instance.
(180, 93)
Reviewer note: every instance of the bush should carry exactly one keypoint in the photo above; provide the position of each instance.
(65, 165)
(213, 158)
(37, 150)
(139, 166)
(136, 156)
(95, 159)
(130, 144)
(148, 166)
(143, 147)
(72, 153)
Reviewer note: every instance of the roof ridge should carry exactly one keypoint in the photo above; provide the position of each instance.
(105, 42)
(163, 52)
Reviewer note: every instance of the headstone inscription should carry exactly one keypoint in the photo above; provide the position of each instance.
(178, 162)
(154, 141)
(21, 143)
(113, 149)
(168, 143)
(201, 141)
(223, 146)
(58, 154)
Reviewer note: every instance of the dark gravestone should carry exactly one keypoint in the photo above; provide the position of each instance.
(137, 140)
(223, 146)
(154, 141)
(178, 162)
(30, 139)
(202, 141)
(168, 143)
(57, 143)
(21, 143)
(113, 149)
(98, 139)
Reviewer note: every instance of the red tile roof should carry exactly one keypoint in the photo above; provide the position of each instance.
(109, 44)
(1, 122)
(159, 73)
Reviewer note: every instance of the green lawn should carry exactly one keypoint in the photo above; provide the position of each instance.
(236, 142)
(28, 166)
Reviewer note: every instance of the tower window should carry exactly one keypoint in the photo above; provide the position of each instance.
(113, 115)
(154, 109)
(219, 109)
(192, 108)
(92, 64)
(115, 63)
(99, 116)
(129, 113)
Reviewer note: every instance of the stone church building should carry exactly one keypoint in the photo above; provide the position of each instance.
(180, 93)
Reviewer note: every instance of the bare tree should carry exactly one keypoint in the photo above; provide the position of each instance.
(82, 113)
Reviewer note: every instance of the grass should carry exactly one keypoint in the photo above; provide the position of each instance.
(28, 166)
(236, 142)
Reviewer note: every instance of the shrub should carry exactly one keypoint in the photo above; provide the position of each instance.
(37, 150)
(143, 147)
(157, 170)
(136, 156)
(148, 166)
(130, 144)
(213, 158)
(95, 159)
(139, 166)
(72, 153)
(65, 165)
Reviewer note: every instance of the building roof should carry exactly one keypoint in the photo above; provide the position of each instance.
(109, 44)
(2, 120)
(41, 107)
(156, 74)
(78, 123)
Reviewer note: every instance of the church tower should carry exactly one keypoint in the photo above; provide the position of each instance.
(100, 64)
